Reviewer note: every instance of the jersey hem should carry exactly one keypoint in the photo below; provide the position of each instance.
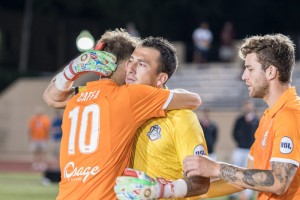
(285, 160)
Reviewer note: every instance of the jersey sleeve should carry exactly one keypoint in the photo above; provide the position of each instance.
(189, 136)
(287, 138)
(148, 102)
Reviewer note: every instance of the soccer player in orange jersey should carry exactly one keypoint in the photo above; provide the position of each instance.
(39, 127)
(99, 123)
(274, 156)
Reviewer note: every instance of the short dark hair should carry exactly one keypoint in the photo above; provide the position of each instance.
(120, 43)
(168, 61)
(275, 49)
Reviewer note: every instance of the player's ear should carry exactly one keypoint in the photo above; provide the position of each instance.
(162, 79)
(271, 72)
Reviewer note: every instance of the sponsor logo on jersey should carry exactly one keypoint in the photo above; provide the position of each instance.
(199, 150)
(264, 141)
(286, 145)
(73, 173)
(154, 133)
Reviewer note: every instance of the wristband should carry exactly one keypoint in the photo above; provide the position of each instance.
(180, 188)
(69, 72)
(172, 189)
(62, 83)
(163, 183)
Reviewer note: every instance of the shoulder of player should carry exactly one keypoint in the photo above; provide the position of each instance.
(143, 89)
(181, 113)
(289, 112)
(288, 115)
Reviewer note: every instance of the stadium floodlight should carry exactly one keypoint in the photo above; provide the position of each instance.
(85, 41)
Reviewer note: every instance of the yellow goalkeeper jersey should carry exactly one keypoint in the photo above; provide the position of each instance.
(161, 144)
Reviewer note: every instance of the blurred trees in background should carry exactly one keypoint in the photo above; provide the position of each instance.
(174, 19)
(57, 23)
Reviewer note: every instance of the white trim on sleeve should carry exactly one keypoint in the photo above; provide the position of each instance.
(285, 160)
(168, 100)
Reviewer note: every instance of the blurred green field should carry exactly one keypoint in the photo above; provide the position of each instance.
(25, 186)
(28, 186)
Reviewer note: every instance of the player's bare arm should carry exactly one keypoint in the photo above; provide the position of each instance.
(276, 180)
(184, 99)
(197, 185)
(56, 98)
(219, 187)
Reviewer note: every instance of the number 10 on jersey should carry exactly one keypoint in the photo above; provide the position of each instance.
(92, 111)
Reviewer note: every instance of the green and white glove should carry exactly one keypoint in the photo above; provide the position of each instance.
(136, 185)
(100, 62)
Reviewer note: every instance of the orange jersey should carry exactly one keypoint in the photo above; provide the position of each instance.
(98, 129)
(39, 126)
(278, 139)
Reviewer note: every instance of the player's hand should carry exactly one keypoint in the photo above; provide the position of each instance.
(100, 62)
(201, 166)
(135, 184)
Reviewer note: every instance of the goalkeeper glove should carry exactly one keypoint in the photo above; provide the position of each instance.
(138, 185)
(100, 62)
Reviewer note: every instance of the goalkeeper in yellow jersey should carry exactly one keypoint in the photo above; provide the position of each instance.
(161, 144)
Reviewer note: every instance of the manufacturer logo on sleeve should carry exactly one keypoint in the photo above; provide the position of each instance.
(286, 145)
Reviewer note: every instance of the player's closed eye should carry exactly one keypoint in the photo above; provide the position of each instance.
(130, 60)
(142, 64)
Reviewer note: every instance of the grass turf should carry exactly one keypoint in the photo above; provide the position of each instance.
(25, 186)
(28, 186)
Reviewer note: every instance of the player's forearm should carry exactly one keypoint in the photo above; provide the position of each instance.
(56, 98)
(220, 188)
(196, 185)
(260, 180)
(184, 99)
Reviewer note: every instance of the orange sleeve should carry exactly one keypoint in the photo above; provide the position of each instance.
(287, 140)
(148, 102)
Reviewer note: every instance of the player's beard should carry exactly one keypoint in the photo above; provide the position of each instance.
(260, 88)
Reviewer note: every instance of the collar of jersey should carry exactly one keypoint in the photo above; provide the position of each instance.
(283, 99)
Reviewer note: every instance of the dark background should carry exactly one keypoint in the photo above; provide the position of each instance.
(56, 24)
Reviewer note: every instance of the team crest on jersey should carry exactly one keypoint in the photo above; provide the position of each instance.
(154, 133)
(199, 150)
(264, 141)
(286, 145)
